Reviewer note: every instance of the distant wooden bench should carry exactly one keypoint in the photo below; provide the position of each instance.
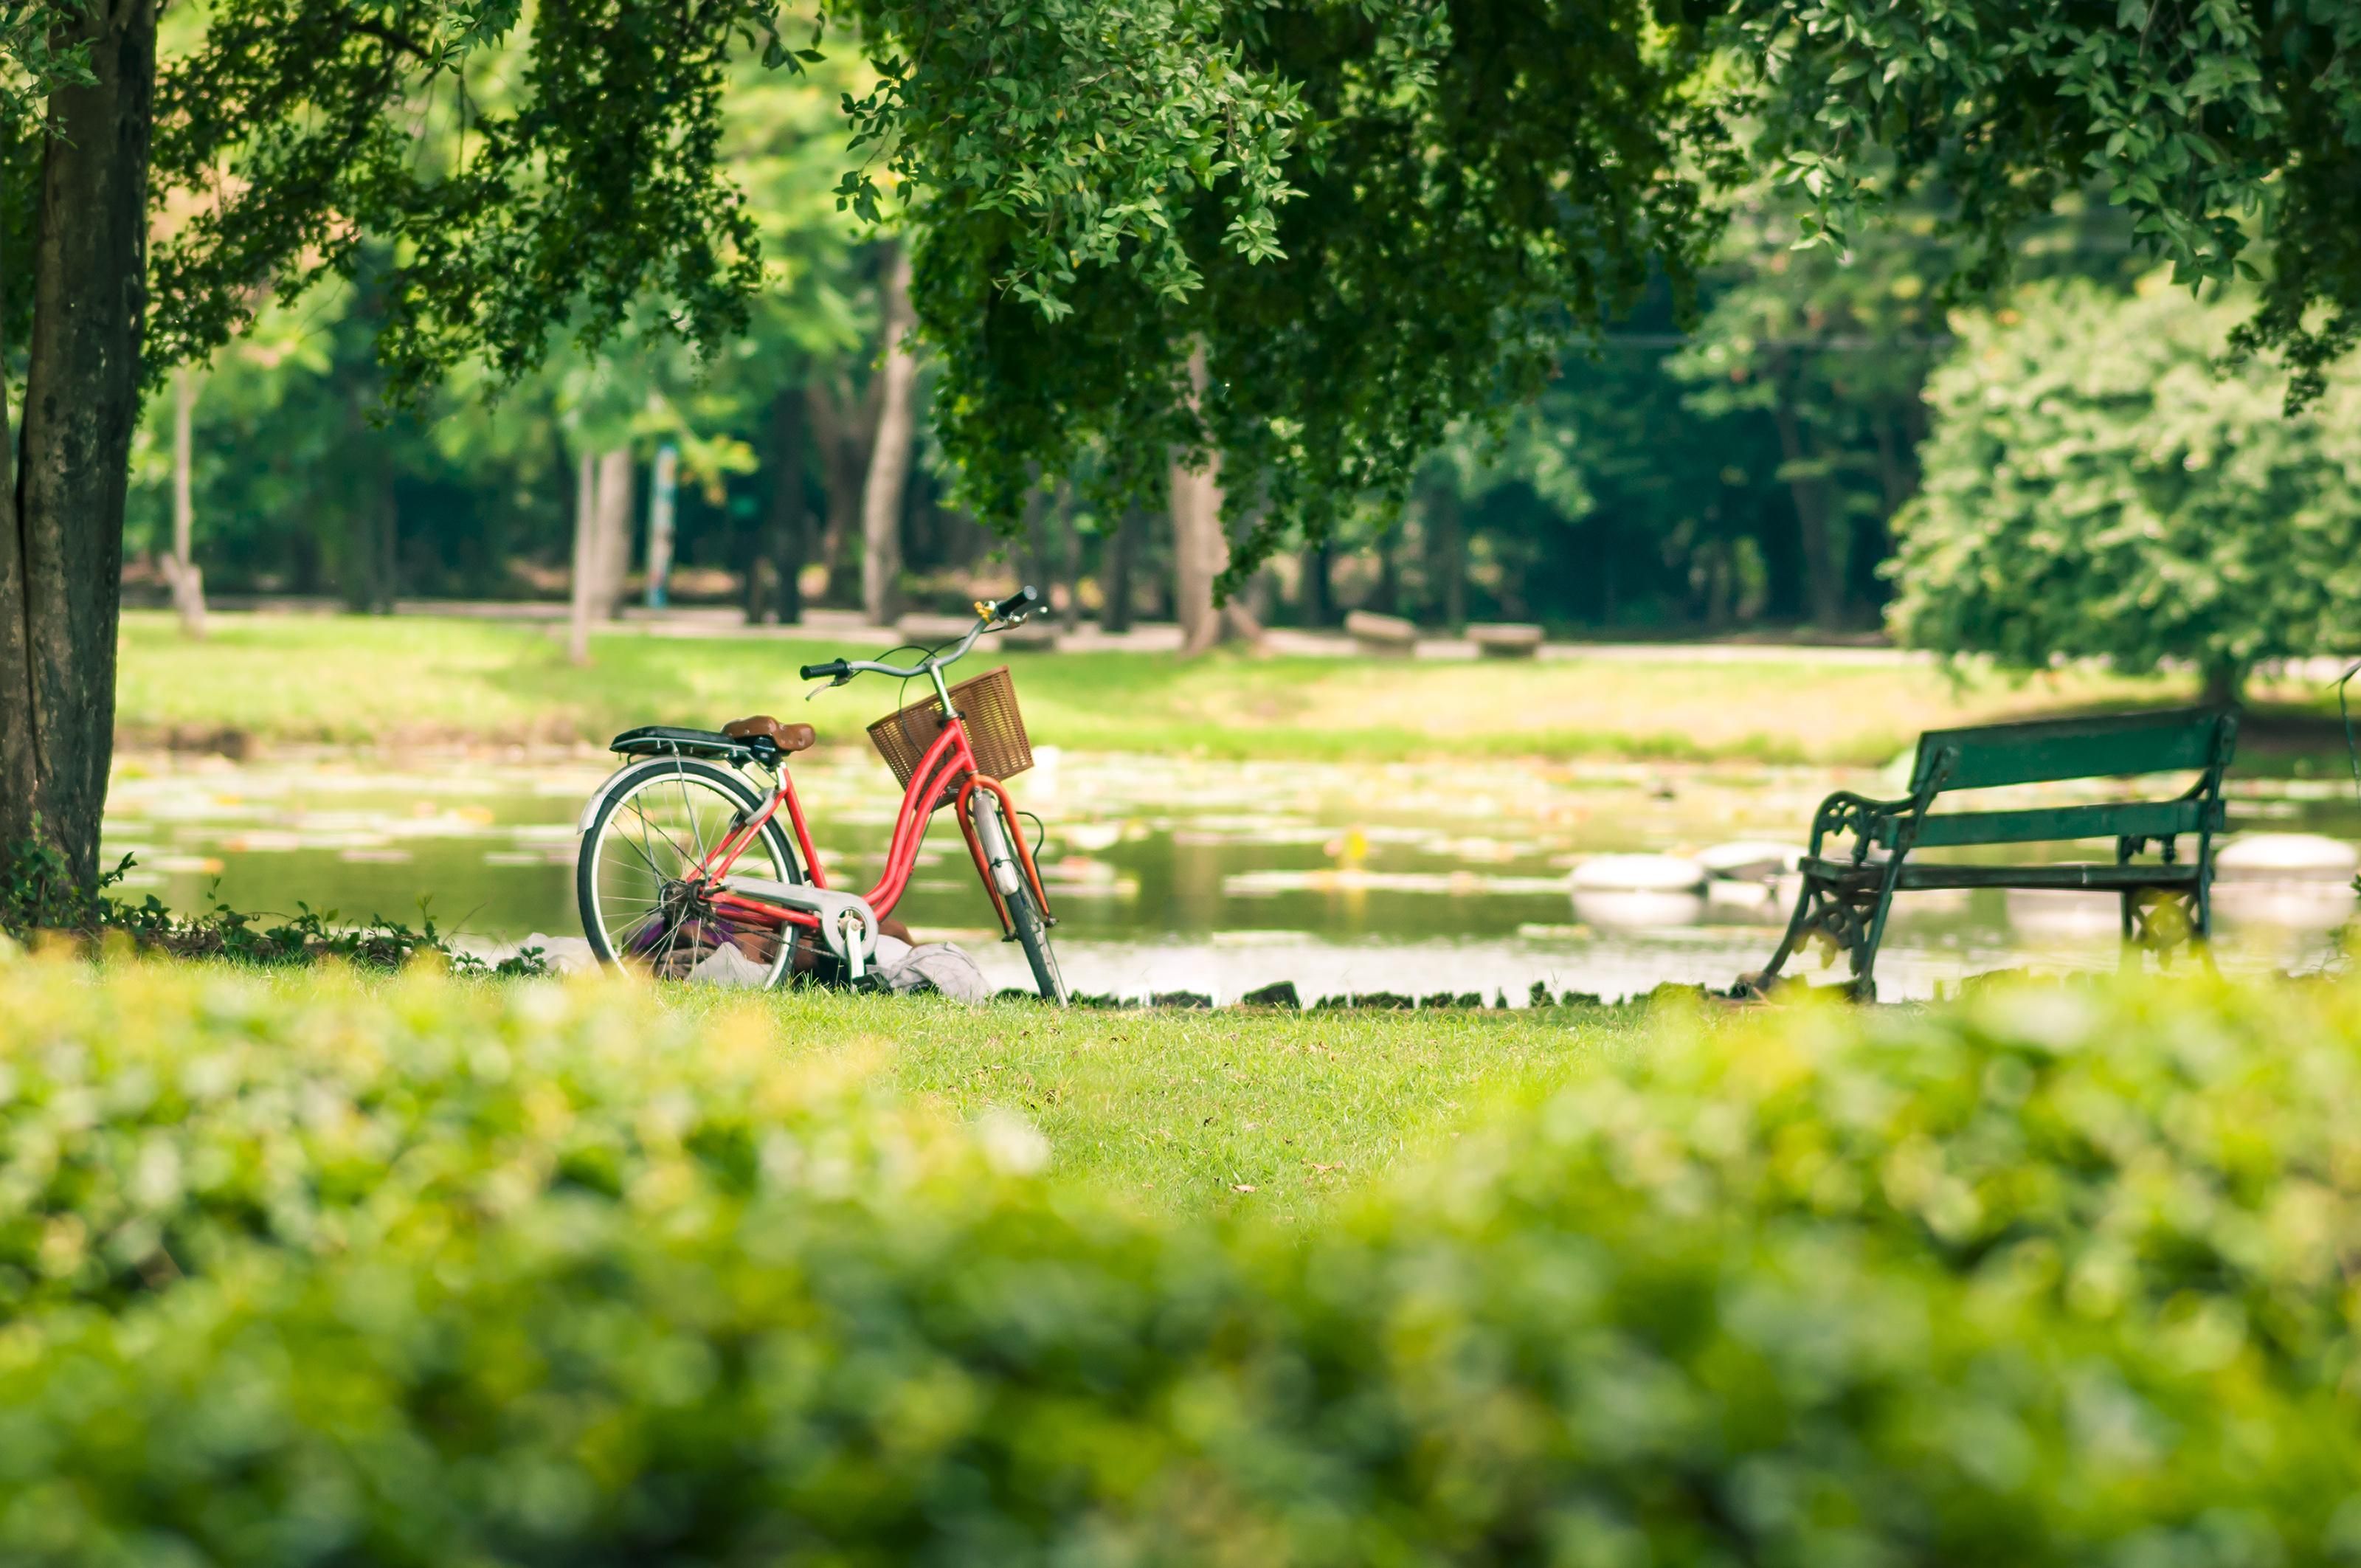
(1505, 639)
(2166, 901)
(1387, 635)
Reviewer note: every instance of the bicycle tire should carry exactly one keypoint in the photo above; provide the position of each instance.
(1033, 936)
(620, 793)
(1031, 930)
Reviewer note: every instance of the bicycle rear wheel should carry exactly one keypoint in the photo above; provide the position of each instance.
(641, 910)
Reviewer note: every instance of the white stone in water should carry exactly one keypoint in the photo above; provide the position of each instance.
(1750, 859)
(2063, 911)
(2307, 906)
(1630, 909)
(2286, 857)
(1638, 892)
(1740, 893)
(1637, 873)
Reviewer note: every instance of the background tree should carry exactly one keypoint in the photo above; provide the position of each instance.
(2096, 486)
(2227, 129)
(1373, 221)
(890, 446)
(295, 131)
(1834, 349)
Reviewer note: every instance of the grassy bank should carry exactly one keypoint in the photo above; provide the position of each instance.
(391, 681)
(320, 1271)
(1274, 1114)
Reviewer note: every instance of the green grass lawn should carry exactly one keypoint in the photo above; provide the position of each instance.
(1267, 1112)
(392, 681)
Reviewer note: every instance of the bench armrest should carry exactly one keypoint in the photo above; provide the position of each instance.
(1846, 812)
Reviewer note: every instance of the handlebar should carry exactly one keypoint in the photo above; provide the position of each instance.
(989, 617)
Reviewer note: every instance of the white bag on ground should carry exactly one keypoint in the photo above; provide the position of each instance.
(897, 966)
(938, 967)
(726, 966)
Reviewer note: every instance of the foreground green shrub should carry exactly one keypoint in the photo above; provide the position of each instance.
(153, 1118)
(2184, 1156)
(1813, 1290)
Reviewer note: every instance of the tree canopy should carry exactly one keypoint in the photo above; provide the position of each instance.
(2093, 486)
(1374, 220)
(2229, 129)
(1377, 219)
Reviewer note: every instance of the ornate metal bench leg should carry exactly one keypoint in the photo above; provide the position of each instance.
(1798, 923)
(2201, 928)
(1849, 921)
(2129, 961)
(1871, 934)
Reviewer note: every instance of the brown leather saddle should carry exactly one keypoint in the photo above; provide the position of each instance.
(785, 737)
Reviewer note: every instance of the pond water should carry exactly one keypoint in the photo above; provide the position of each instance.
(1172, 874)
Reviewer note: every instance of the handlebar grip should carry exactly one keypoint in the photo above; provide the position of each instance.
(830, 671)
(1022, 599)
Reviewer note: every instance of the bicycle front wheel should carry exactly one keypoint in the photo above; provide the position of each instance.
(642, 910)
(1028, 924)
(1033, 936)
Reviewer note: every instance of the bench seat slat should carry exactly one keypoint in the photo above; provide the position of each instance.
(2144, 819)
(1926, 874)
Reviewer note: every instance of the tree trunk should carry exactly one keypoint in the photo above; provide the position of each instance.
(841, 425)
(1198, 552)
(1316, 595)
(1447, 558)
(1116, 564)
(61, 526)
(613, 528)
(365, 561)
(1611, 599)
(585, 584)
(386, 538)
(889, 453)
(788, 526)
(1028, 553)
(1823, 579)
(1388, 593)
(1200, 549)
(662, 494)
(1060, 581)
(181, 566)
(2225, 683)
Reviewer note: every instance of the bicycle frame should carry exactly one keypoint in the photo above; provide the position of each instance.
(948, 765)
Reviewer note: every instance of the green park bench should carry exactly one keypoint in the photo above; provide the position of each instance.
(2166, 901)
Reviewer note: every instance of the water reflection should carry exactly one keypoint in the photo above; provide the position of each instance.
(1182, 874)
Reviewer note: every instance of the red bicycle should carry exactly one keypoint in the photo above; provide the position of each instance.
(686, 872)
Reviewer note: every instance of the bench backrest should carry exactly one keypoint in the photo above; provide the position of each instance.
(2047, 751)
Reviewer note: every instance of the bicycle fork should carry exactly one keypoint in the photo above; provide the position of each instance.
(1003, 858)
(997, 855)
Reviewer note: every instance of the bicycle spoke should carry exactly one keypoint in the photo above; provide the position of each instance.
(691, 812)
(645, 850)
(630, 933)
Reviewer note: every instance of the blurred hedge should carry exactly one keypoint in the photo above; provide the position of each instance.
(463, 1273)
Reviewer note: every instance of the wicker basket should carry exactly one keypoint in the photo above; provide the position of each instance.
(996, 729)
